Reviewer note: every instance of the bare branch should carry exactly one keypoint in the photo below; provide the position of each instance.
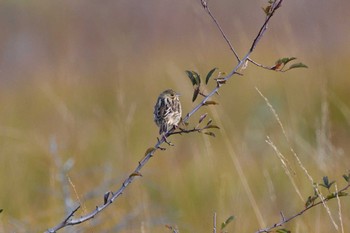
(205, 5)
(259, 65)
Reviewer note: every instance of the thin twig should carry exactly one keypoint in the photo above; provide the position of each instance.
(205, 5)
(259, 65)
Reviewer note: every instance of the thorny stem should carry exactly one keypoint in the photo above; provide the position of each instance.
(68, 221)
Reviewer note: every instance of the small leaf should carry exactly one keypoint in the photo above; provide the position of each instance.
(342, 194)
(298, 65)
(224, 224)
(197, 77)
(209, 122)
(331, 196)
(195, 93)
(210, 134)
(283, 230)
(267, 10)
(310, 201)
(212, 127)
(1, 210)
(325, 181)
(149, 151)
(209, 75)
(346, 177)
(339, 194)
(210, 102)
(285, 60)
(190, 75)
(135, 174)
(202, 117)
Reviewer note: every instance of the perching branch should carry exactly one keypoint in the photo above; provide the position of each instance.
(108, 200)
(110, 197)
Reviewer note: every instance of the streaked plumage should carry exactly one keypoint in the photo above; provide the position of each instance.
(167, 111)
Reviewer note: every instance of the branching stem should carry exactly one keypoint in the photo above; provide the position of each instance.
(285, 220)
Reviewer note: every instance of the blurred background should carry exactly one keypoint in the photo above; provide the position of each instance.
(78, 82)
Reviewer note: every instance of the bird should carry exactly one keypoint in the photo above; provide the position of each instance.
(167, 111)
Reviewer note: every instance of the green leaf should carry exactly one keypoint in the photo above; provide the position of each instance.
(283, 230)
(325, 181)
(212, 127)
(149, 150)
(310, 201)
(135, 174)
(1, 210)
(342, 194)
(192, 78)
(346, 177)
(195, 93)
(197, 77)
(331, 196)
(298, 65)
(285, 60)
(339, 194)
(224, 224)
(209, 122)
(210, 134)
(210, 102)
(209, 75)
(267, 10)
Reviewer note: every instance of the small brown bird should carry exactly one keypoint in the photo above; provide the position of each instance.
(167, 111)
